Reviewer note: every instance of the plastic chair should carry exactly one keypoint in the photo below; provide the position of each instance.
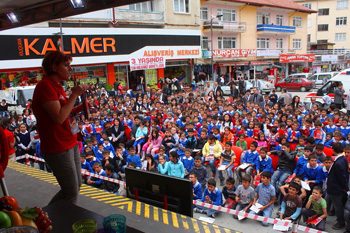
(328, 151)
(238, 152)
(293, 146)
(249, 141)
(274, 161)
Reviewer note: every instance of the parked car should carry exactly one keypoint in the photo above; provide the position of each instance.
(266, 87)
(322, 78)
(296, 82)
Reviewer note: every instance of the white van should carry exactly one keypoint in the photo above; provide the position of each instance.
(17, 97)
(328, 88)
(321, 78)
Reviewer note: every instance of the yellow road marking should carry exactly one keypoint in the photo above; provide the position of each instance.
(175, 222)
(165, 217)
(146, 211)
(205, 227)
(184, 222)
(227, 230)
(138, 208)
(216, 229)
(117, 200)
(155, 214)
(195, 225)
(105, 199)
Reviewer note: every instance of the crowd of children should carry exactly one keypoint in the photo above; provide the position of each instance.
(179, 134)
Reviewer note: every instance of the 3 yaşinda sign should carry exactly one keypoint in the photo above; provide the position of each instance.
(154, 57)
(294, 58)
(17, 47)
(229, 53)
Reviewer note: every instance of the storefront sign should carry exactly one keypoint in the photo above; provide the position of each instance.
(154, 57)
(331, 58)
(268, 53)
(230, 53)
(295, 58)
(245, 63)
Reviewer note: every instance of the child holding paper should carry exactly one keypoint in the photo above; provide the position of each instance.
(227, 160)
(248, 162)
(265, 197)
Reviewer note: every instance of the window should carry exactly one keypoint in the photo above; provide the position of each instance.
(263, 43)
(342, 4)
(279, 43)
(308, 5)
(144, 6)
(279, 20)
(228, 15)
(324, 11)
(322, 27)
(340, 36)
(296, 43)
(308, 37)
(322, 41)
(297, 21)
(340, 21)
(226, 42)
(182, 6)
(205, 42)
(309, 22)
(204, 13)
(263, 18)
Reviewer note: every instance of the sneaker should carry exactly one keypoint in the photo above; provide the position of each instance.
(213, 215)
(235, 216)
(338, 226)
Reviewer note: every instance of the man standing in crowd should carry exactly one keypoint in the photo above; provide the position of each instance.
(208, 89)
(339, 96)
(286, 97)
(257, 98)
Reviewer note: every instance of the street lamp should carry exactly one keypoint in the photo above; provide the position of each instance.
(211, 44)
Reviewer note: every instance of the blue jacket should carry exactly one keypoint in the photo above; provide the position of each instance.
(330, 143)
(86, 165)
(330, 129)
(197, 190)
(156, 157)
(176, 169)
(300, 164)
(322, 140)
(98, 155)
(250, 157)
(344, 131)
(188, 163)
(163, 169)
(136, 159)
(297, 135)
(312, 173)
(109, 147)
(249, 132)
(324, 174)
(215, 196)
(101, 173)
(278, 147)
(264, 164)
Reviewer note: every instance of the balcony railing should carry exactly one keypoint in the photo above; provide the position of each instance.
(143, 16)
(274, 29)
(329, 51)
(226, 26)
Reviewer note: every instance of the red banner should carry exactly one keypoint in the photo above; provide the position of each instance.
(284, 58)
(228, 53)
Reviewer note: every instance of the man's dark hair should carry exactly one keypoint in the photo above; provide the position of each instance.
(266, 174)
(338, 147)
(212, 181)
(109, 167)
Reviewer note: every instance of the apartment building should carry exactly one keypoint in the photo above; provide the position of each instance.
(328, 33)
(254, 35)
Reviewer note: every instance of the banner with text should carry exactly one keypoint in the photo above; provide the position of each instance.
(294, 58)
(154, 57)
(230, 53)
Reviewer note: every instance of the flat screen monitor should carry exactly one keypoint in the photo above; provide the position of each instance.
(160, 190)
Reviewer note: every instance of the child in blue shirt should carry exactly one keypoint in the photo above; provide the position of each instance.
(187, 161)
(182, 144)
(133, 157)
(249, 157)
(265, 196)
(96, 182)
(328, 161)
(263, 162)
(108, 146)
(302, 161)
(312, 172)
(212, 195)
(160, 153)
(318, 133)
(175, 166)
(330, 128)
(84, 164)
(197, 187)
(294, 134)
(140, 135)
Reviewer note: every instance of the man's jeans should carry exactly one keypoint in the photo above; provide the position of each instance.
(278, 179)
(229, 170)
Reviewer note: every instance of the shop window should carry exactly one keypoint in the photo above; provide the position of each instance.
(121, 74)
(182, 6)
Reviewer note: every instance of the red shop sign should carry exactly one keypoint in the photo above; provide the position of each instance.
(228, 53)
(284, 58)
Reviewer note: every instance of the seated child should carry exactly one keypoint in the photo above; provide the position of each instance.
(163, 165)
(211, 195)
(265, 196)
(229, 193)
(316, 205)
(302, 161)
(241, 142)
(162, 151)
(284, 189)
(312, 172)
(84, 164)
(96, 182)
(291, 204)
(319, 152)
(187, 161)
(176, 167)
(244, 195)
(263, 162)
(133, 157)
(249, 157)
(197, 187)
(299, 149)
(110, 186)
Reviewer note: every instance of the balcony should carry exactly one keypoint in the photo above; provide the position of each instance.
(329, 51)
(221, 26)
(265, 29)
(139, 16)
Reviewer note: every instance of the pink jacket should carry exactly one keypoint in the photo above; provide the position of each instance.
(156, 143)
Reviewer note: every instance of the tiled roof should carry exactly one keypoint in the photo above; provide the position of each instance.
(284, 4)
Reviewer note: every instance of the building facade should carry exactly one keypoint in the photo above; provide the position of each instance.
(328, 33)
